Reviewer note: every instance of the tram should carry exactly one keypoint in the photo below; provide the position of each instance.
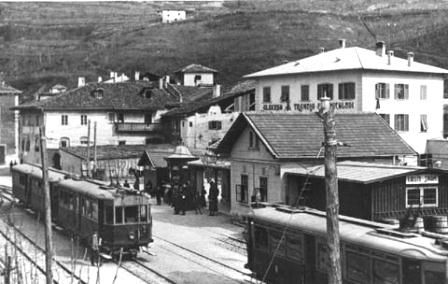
(121, 216)
(288, 245)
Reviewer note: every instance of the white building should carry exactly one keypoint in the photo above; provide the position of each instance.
(171, 16)
(407, 94)
(196, 75)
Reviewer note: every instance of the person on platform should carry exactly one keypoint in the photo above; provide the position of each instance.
(95, 249)
(159, 194)
(126, 184)
(213, 198)
(197, 202)
(183, 191)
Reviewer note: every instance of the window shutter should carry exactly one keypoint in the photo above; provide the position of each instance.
(387, 90)
(341, 91)
(396, 91)
(406, 91)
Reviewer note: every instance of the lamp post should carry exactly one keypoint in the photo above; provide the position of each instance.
(331, 187)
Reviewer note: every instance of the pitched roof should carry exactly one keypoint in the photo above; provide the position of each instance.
(292, 135)
(350, 58)
(358, 172)
(196, 68)
(6, 89)
(239, 89)
(111, 152)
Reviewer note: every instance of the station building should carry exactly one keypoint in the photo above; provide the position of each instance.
(406, 93)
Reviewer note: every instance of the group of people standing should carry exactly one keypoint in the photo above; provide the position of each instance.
(184, 197)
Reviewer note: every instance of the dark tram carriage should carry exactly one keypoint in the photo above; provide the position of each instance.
(289, 246)
(122, 217)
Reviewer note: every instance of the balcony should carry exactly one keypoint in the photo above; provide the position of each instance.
(137, 127)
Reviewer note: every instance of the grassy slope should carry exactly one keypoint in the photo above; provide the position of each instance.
(56, 42)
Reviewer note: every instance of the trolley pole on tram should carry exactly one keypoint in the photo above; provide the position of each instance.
(47, 204)
(331, 187)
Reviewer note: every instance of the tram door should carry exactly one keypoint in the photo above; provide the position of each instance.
(411, 271)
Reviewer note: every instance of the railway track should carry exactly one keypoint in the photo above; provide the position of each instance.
(140, 269)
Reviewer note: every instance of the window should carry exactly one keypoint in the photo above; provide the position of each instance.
(64, 119)
(120, 117)
(261, 238)
(264, 189)
(27, 145)
(214, 125)
(325, 90)
(83, 140)
(277, 242)
(305, 93)
(111, 116)
(347, 91)
(382, 91)
(358, 267)
(65, 142)
(253, 141)
(402, 122)
(386, 117)
(36, 143)
(118, 215)
(131, 214)
(321, 256)
(191, 123)
(22, 179)
(109, 212)
(285, 94)
(241, 190)
(121, 142)
(423, 123)
(423, 92)
(386, 272)
(295, 247)
(424, 196)
(143, 213)
(83, 119)
(401, 91)
(266, 94)
(197, 79)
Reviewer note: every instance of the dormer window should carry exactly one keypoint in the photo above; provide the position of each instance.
(98, 93)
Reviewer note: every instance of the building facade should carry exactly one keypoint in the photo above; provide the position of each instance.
(262, 147)
(407, 94)
(9, 123)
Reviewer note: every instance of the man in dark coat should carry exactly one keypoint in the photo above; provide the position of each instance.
(213, 198)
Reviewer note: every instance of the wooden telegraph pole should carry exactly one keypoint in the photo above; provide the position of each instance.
(47, 204)
(331, 187)
(88, 148)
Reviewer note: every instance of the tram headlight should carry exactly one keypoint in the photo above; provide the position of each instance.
(131, 236)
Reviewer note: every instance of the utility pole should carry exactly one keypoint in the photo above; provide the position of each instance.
(331, 187)
(94, 146)
(47, 204)
(88, 148)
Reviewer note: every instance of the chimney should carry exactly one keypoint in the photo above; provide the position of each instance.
(410, 58)
(342, 43)
(81, 82)
(321, 49)
(137, 76)
(380, 48)
(390, 54)
(216, 90)
(161, 85)
(100, 79)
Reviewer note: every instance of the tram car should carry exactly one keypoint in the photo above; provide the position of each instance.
(288, 245)
(121, 217)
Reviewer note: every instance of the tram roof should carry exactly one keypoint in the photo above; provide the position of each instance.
(354, 231)
(89, 188)
(36, 171)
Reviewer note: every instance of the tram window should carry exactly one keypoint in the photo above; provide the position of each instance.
(294, 247)
(130, 214)
(71, 202)
(22, 179)
(277, 243)
(434, 277)
(358, 267)
(321, 256)
(88, 209)
(261, 238)
(411, 271)
(386, 272)
(118, 215)
(83, 206)
(94, 210)
(109, 211)
(143, 215)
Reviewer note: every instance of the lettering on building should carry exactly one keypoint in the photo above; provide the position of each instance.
(422, 179)
(272, 107)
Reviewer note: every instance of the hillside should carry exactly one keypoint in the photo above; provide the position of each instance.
(57, 42)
